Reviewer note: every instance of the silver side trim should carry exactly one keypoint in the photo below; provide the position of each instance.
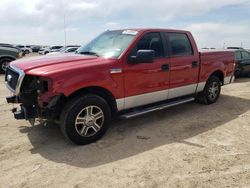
(229, 80)
(19, 81)
(182, 91)
(139, 100)
(155, 108)
(200, 87)
(232, 79)
(120, 104)
(148, 98)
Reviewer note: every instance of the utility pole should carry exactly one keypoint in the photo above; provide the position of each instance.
(64, 25)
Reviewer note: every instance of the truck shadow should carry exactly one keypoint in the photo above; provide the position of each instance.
(127, 138)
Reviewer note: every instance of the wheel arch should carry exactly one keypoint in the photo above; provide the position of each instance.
(99, 91)
(219, 74)
(9, 57)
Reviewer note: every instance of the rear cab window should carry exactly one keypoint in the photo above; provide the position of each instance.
(179, 44)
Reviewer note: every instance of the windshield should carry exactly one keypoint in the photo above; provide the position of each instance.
(109, 44)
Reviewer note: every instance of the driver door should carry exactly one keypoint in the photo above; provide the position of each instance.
(147, 83)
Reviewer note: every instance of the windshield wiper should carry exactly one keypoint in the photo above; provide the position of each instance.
(89, 53)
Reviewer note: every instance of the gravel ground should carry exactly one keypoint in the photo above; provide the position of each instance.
(191, 145)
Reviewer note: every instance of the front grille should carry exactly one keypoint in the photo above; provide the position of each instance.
(11, 78)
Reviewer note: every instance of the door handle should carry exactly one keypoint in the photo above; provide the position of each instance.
(194, 64)
(165, 67)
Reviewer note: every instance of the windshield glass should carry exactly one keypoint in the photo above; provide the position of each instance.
(109, 44)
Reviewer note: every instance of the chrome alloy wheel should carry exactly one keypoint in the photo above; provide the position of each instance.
(89, 121)
(213, 91)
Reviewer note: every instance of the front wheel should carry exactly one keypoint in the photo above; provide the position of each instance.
(85, 119)
(4, 63)
(211, 92)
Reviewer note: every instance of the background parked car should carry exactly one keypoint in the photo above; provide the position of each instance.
(8, 54)
(25, 49)
(65, 50)
(44, 51)
(242, 63)
(234, 48)
(6, 45)
(35, 48)
(9, 46)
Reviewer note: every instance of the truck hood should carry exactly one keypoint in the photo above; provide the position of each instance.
(53, 63)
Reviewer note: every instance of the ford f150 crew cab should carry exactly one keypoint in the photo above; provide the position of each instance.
(122, 73)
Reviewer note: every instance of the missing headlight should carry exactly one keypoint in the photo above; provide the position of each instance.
(29, 83)
(35, 84)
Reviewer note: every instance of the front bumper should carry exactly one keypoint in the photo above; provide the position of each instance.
(30, 110)
(25, 112)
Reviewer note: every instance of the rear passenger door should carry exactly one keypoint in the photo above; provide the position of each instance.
(184, 65)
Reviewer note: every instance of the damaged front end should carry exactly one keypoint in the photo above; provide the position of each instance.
(32, 93)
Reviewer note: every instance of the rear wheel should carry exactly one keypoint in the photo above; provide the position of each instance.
(211, 92)
(237, 73)
(85, 119)
(4, 63)
(26, 51)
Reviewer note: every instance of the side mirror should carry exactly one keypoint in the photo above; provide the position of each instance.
(143, 56)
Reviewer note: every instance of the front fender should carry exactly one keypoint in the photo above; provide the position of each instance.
(72, 83)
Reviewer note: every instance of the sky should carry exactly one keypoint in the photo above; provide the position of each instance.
(214, 23)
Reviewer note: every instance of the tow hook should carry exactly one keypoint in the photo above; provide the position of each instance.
(18, 114)
(26, 112)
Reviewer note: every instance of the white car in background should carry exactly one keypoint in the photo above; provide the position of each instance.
(65, 50)
(47, 50)
(25, 49)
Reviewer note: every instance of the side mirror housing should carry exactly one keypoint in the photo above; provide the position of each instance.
(143, 56)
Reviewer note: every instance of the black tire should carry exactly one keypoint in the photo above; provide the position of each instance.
(237, 73)
(79, 107)
(210, 95)
(4, 62)
(26, 51)
(46, 52)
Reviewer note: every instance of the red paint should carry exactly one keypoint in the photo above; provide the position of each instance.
(70, 73)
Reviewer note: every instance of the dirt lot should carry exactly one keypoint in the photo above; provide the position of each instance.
(191, 145)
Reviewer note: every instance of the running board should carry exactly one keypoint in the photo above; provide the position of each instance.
(155, 108)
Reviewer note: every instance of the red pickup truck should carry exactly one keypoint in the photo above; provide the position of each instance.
(122, 73)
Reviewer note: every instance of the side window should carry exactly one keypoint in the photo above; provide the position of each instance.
(150, 41)
(238, 55)
(71, 50)
(245, 55)
(179, 44)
